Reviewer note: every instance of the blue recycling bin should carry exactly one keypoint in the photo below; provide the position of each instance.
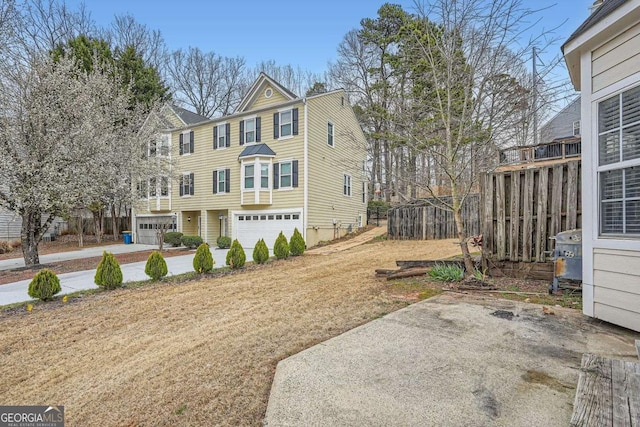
(126, 235)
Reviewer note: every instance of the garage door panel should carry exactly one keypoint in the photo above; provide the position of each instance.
(147, 228)
(250, 227)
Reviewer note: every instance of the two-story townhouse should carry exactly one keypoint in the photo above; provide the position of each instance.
(279, 162)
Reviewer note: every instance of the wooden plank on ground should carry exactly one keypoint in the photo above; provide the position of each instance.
(572, 195)
(541, 223)
(556, 201)
(625, 379)
(409, 272)
(592, 406)
(527, 215)
(421, 263)
(514, 222)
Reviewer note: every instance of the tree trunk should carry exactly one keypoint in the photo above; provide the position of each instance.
(114, 222)
(464, 247)
(98, 223)
(30, 239)
(80, 229)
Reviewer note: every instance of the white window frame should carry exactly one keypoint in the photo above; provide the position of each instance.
(251, 120)
(576, 128)
(265, 166)
(186, 184)
(153, 187)
(620, 165)
(164, 187)
(222, 136)
(222, 181)
(330, 134)
(186, 137)
(346, 185)
(281, 123)
(245, 176)
(281, 186)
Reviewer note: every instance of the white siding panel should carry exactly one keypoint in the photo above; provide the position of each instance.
(617, 316)
(616, 73)
(624, 300)
(623, 262)
(617, 281)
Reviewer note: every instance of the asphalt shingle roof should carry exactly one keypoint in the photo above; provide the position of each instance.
(189, 117)
(602, 12)
(257, 150)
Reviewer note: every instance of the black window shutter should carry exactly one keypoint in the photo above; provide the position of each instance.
(181, 184)
(295, 121)
(215, 182)
(191, 138)
(294, 173)
(276, 130)
(227, 140)
(215, 137)
(276, 176)
(181, 143)
(241, 132)
(191, 184)
(257, 129)
(227, 180)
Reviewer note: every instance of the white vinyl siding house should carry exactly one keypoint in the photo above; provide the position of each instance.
(603, 58)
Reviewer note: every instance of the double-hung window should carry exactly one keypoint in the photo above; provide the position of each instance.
(285, 174)
(187, 142)
(221, 136)
(164, 186)
(346, 184)
(264, 176)
(285, 123)
(330, 134)
(619, 163)
(186, 184)
(250, 131)
(221, 181)
(152, 187)
(249, 178)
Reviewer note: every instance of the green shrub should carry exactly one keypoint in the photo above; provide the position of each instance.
(260, 252)
(156, 267)
(224, 242)
(173, 238)
(236, 257)
(45, 285)
(281, 247)
(203, 261)
(108, 274)
(296, 244)
(191, 242)
(447, 272)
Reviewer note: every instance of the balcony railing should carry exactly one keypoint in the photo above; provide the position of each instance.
(562, 149)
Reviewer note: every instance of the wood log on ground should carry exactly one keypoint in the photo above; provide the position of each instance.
(410, 272)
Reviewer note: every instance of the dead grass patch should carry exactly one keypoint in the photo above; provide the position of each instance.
(194, 353)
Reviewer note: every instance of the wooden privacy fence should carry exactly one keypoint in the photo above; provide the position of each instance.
(522, 209)
(425, 220)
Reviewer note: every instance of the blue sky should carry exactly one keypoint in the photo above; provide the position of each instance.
(304, 33)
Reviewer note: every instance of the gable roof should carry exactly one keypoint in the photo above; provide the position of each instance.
(600, 13)
(188, 117)
(253, 92)
(256, 150)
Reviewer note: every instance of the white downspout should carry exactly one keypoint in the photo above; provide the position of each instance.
(305, 208)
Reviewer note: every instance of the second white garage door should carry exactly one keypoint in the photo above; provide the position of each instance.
(248, 227)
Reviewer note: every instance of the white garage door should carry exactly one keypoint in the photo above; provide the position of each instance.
(147, 228)
(250, 227)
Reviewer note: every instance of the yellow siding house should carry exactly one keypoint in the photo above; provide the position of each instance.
(279, 162)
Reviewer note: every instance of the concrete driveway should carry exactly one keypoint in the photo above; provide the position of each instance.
(449, 361)
(82, 280)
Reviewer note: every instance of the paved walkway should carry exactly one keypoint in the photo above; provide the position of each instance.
(82, 280)
(447, 361)
(10, 264)
(350, 243)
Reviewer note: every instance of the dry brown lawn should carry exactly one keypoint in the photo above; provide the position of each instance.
(196, 353)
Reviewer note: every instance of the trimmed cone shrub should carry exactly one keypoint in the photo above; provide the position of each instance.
(108, 275)
(281, 247)
(173, 238)
(260, 252)
(45, 285)
(296, 244)
(236, 257)
(156, 267)
(191, 242)
(224, 242)
(203, 261)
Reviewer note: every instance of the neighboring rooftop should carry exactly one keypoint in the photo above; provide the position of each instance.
(188, 117)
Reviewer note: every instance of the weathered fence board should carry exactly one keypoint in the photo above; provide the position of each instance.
(522, 209)
(427, 220)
